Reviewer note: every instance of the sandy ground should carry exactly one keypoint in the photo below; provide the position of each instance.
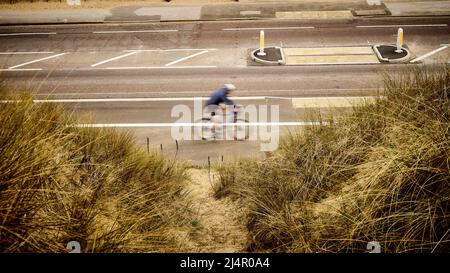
(105, 4)
(55, 4)
(217, 228)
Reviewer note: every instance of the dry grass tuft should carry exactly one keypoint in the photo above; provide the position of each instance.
(59, 183)
(380, 174)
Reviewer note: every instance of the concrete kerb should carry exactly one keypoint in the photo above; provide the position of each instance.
(256, 11)
(283, 57)
(371, 13)
(242, 18)
(266, 62)
(220, 12)
(167, 21)
(404, 59)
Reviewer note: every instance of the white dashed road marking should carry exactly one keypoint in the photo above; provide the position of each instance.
(115, 58)
(429, 54)
(35, 61)
(187, 58)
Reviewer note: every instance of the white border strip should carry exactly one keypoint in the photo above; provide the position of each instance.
(113, 59)
(38, 60)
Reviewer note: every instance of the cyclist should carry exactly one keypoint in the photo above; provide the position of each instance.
(218, 102)
(221, 95)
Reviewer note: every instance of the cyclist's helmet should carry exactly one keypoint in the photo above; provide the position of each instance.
(230, 87)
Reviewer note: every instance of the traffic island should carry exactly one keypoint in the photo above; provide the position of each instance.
(331, 55)
(392, 54)
(270, 56)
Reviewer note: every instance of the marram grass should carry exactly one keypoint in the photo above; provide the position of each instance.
(381, 173)
(59, 183)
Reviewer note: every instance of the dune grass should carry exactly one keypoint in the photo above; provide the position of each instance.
(60, 183)
(381, 173)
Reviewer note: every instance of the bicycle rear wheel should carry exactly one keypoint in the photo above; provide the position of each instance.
(241, 130)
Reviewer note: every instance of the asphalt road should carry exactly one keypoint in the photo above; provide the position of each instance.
(177, 61)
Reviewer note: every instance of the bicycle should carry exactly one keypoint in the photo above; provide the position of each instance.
(211, 125)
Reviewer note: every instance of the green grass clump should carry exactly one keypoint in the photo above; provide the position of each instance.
(60, 183)
(381, 173)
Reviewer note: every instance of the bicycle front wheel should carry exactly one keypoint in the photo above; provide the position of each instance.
(204, 129)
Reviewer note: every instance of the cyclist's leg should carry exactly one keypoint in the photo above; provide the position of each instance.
(210, 110)
(212, 130)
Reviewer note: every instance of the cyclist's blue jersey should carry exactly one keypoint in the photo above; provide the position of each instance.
(220, 96)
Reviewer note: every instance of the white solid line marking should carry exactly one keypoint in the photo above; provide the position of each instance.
(20, 53)
(208, 91)
(27, 33)
(141, 99)
(135, 31)
(265, 28)
(38, 60)
(429, 54)
(298, 100)
(379, 26)
(341, 63)
(193, 124)
(159, 67)
(173, 49)
(115, 58)
(22, 69)
(187, 58)
(333, 102)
